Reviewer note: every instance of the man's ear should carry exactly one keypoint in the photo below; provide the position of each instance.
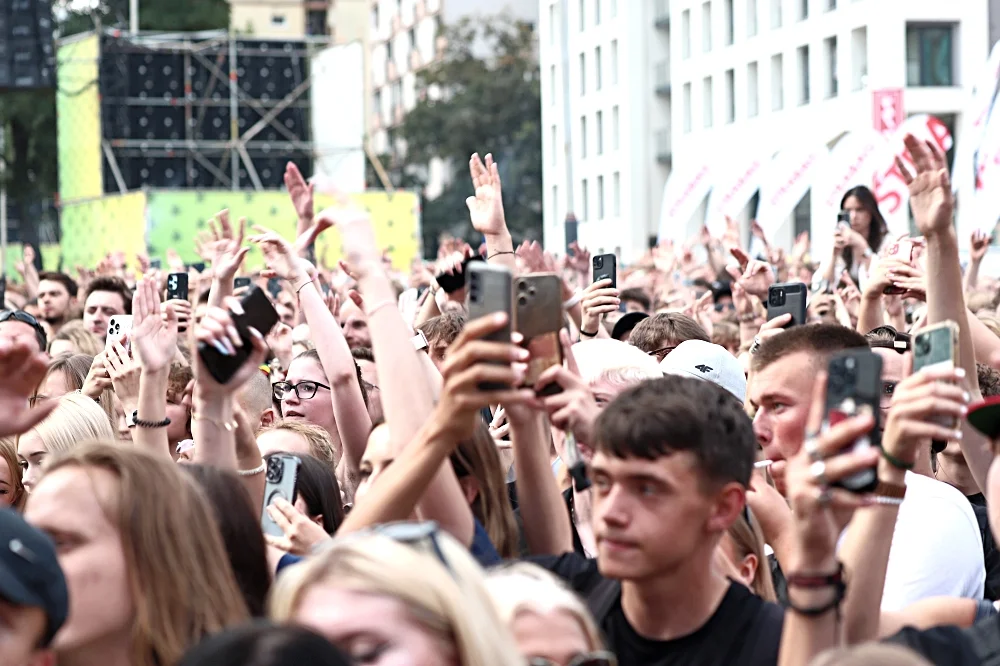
(729, 502)
(267, 418)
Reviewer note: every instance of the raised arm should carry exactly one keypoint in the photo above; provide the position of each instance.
(486, 212)
(224, 249)
(301, 194)
(978, 244)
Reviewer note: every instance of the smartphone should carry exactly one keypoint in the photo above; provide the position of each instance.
(844, 219)
(199, 266)
(452, 282)
(241, 282)
(902, 250)
(606, 268)
(280, 477)
(787, 297)
(274, 287)
(119, 325)
(855, 379)
(937, 347)
(156, 264)
(490, 291)
(538, 316)
(259, 314)
(177, 287)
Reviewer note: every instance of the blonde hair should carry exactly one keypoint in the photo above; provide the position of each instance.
(478, 458)
(83, 341)
(525, 587)
(870, 654)
(76, 367)
(77, 419)
(179, 576)
(320, 446)
(8, 452)
(749, 540)
(449, 600)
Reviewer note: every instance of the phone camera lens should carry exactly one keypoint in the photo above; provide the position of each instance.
(599, 262)
(522, 300)
(923, 346)
(274, 470)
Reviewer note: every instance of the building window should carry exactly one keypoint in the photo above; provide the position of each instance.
(614, 127)
(600, 132)
(597, 68)
(830, 47)
(730, 96)
(930, 55)
(802, 56)
(552, 83)
(730, 28)
(600, 197)
(388, 50)
(583, 73)
(803, 10)
(777, 83)
(614, 62)
(555, 144)
(775, 14)
(751, 18)
(584, 195)
(552, 24)
(583, 136)
(616, 194)
(278, 20)
(687, 107)
(583, 16)
(555, 202)
(707, 103)
(686, 33)
(753, 103)
(859, 58)
(375, 18)
(597, 12)
(411, 38)
(706, 27)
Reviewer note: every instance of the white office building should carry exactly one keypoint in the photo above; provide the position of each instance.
(606, 109)
(727, 79)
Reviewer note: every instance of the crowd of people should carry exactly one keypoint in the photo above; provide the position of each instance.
(673, 492)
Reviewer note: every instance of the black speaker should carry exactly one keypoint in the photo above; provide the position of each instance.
(27, 54)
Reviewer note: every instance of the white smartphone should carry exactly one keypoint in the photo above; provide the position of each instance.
(119, 325)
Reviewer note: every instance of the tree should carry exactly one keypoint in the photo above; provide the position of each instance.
(469, 103)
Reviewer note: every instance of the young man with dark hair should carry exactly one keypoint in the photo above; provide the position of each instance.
(106, 296)
(56, 298)
(660, 334)
(672, 464)
(945, 560)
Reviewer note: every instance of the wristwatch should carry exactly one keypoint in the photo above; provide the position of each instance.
(130, 419)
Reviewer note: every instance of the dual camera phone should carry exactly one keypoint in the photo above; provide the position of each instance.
(787, 298)
(854, 385)
(281, 474)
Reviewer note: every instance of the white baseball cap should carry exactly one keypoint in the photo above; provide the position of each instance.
(712, 363)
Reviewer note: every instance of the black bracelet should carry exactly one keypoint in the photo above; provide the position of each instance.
(149, 424)
(815, 611)
(588, 333)
(896, 462)
(497, 254)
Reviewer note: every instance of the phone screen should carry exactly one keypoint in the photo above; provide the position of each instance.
(177, 287)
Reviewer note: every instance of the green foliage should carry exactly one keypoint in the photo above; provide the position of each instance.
(470, 103)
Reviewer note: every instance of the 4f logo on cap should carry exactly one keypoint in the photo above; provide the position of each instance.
(703, 368)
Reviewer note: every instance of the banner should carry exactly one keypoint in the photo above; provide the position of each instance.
(852, 162)
(976, 114)
(786, 180)
(735, 182)
(683, 192)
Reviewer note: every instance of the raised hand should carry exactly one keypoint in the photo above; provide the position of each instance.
(154, 335)
(124, 372)
(357, 237)
(754, 276)
(911, 278)
(301, 534)
(23, 371)
(486, 207)
(98, 378)
(578, 258)
(280, 256)
(919, 404)
(224, 250)
(535, 258)
(801, 247)
(217, 330)
(597, 300)
(931, 199)
(979, 243)
(300, 192)
(574, 409)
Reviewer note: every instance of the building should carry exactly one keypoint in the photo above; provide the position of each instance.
(280, 18)
(606, 110)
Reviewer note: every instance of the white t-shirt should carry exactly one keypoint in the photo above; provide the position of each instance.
(937, 549)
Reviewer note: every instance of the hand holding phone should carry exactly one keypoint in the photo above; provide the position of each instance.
(538, 316)
(489, 291)
(854, 387)
(606, 268)
(787, 298)
(224, 355)
(281, 475)
(177, 287)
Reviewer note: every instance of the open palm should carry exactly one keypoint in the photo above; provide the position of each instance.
(486, 207)
(931, 198)
(154, 336)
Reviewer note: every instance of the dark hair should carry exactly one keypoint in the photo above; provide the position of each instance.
(265, 644)
(443, 328)
(363, 354)
(313, 355)
(115, 285)
(989, 380)
(877, 230)
(650, 333)
(636, 295)
(239, 524)
(823, 340)
(62, 279)
(317, 485)
(659, 417)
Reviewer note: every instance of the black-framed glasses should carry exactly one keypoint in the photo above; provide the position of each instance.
(304, 390)
(596, 658)
(662, 352)
(25, 318)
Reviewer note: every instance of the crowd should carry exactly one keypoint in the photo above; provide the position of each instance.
(322, 465)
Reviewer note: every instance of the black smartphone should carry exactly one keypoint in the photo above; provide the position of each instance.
(606, 268)
(177, 287)
(259, 314)
(281, 475)
(844, 218)
(241, 282)
(489, 291)
(452, 282)
(156, 264)
(274, 287)
(199, 266)
(855, 379)
(787, 297)
(538, 316)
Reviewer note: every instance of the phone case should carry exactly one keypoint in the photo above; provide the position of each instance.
(538, 316)
(452, 282)
(281, 475)
(937, 347)
(855, 379)
(606, 268)
(177, 287)
(241, 282)
(119, 325)
(260, 314)
(490, 291)
(787, 297)
(902, 250)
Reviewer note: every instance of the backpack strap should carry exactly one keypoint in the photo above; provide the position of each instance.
(985, 639)
(602, 597)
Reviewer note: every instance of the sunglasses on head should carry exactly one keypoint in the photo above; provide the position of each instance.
(598, 658)
(410, 533)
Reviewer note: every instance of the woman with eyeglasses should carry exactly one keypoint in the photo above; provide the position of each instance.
(550, 624)
(405, 593)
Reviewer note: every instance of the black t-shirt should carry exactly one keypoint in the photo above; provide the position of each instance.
(991, 557)
(744, 629)
(947, 646)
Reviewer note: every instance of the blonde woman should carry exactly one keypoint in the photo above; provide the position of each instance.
(551, 625)
(362, 594)
(74, 338)
(147, 572)
(76, 420)
(297, 437)
(68, 373)
(11, 488)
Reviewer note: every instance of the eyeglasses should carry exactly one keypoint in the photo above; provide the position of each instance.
(598, 658)
(25, 318)
(303, 390)
(662, 352)
(724, 307)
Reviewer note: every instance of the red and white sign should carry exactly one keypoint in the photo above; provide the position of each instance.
(682, 194)
(787, 179)
(887, 110)
(735, 183)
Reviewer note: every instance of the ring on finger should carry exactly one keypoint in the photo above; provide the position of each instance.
(818, 473)
(825, 496)
(811, 446)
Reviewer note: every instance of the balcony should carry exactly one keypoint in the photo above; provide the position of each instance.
(664, 152)
(661, 14)
(661, 76)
